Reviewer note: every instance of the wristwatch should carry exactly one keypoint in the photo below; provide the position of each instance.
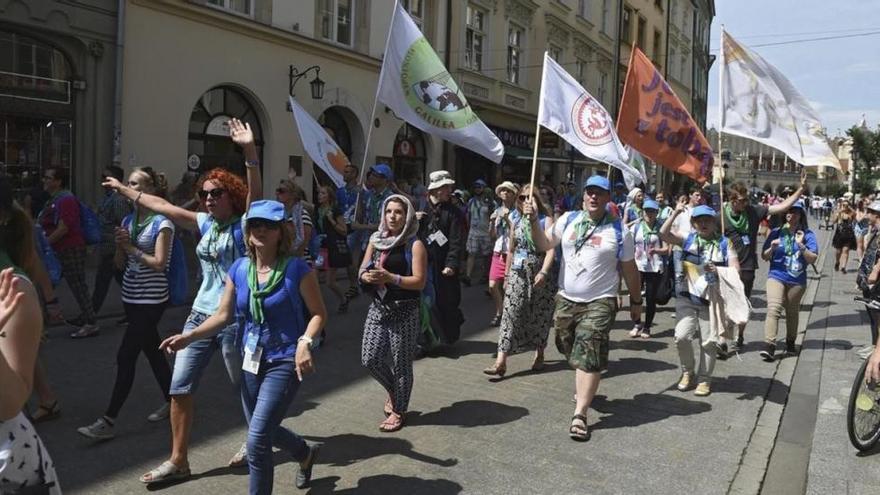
(305, 338)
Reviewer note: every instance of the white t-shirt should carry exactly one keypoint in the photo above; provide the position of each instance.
(590, 273)
(642, 242)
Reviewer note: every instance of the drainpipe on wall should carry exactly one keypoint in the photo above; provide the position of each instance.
(446, 59)
(117, 93)
(664, 171)
(616, 76)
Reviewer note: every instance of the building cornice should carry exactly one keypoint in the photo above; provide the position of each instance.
(558, 31)
(255, 30)
(520, 11)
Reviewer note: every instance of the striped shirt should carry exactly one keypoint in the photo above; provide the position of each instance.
(140, 283)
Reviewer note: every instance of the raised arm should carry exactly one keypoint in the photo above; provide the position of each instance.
(666, 234)
(544, 239)
(783, 207)
(242, 135)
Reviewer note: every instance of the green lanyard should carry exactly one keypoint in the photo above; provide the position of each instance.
(787, 240)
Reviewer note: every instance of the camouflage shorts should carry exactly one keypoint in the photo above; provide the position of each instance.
(582, 331)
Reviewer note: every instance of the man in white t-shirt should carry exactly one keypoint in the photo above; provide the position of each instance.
(594, 246)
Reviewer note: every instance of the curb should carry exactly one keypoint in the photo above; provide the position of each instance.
(758, 456)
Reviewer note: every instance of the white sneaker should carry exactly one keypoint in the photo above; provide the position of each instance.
(160, 414)
(99, 430)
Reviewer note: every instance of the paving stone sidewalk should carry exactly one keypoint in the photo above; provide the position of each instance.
(465, 433)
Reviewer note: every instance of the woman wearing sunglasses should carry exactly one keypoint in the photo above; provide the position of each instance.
(226, 198)
(529, 290)
(267, 291)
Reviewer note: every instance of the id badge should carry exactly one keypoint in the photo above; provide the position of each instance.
(746, 240)
(319, 260)
(440, 239)
(252, 354)
(519, 259)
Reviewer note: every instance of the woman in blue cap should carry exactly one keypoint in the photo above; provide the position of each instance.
(267, 290)
(650, 256)
(790, 249)
(703, 249)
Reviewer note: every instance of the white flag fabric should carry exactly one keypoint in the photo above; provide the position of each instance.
(637, 162)
(758, 102)
(415, 84)
(567, 109)
(319, 145)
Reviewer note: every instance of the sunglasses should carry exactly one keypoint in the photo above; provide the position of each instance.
(522, 197)
(214, 193)
(281, 190)
(260, 223)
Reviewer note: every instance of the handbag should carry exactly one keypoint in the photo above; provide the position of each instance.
(666, 287)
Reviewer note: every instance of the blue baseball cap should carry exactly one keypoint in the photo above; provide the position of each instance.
(266, 209)
(650, 204)
(598, 181)
(798, 204)
(383, 170)
(620, 184)
(480, 182)
(703, 211)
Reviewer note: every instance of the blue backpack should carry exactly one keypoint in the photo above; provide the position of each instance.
(47, 255)
(618, 231)
(176, 273)
(89, 223)
(237, 235)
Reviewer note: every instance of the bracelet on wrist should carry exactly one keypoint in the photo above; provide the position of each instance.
(397, 279)
(251, 163)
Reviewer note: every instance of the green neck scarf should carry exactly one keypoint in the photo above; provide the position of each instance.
(138, 227)
(648, 230)
(586, 224)
(218, 227)
(525, 225)
(738, 223)
(257, 294)
(703, 244)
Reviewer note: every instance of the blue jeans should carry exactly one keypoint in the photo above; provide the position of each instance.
(191, 362)
(266, 398)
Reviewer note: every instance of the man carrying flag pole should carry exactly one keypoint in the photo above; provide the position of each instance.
(596, 248)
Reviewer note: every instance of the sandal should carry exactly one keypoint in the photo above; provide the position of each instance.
(85, 332)
(496, 370)
(579, 432)
(389, 407)
(240, 457)
(645, 335)
(538, 363)
(46, 412)
(392, 423)
(304, 473)
(166, 472)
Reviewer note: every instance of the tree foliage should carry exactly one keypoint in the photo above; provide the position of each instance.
(866, 166)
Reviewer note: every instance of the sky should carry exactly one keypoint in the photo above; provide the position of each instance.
(839, 77)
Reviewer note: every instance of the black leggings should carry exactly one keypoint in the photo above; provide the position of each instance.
(141, 335)
(652, 286)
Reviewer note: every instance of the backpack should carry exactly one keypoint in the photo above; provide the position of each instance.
(89, 223)
(237, 235)
(47, 255)
(618, 232)
(176, 272)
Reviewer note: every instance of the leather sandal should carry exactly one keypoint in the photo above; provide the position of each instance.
(392, 423)
(538, 363)
(165, 473)
(496, 370)
(578, 432)
(389, 407)
(46, 412)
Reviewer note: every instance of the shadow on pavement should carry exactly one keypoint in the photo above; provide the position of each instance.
(628, 366)
(549, 367)
(469, 414)
(643, 409)
(840, 344)
(349, 448)
(751, 387)
(842, 321)
(646, 345)
(387, 483)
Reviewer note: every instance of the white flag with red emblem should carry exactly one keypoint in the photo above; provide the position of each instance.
(319, 145)
(567, 109)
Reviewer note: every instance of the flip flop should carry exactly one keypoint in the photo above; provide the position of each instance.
(165, 473)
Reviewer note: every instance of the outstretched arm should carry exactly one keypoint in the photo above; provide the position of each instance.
(182, 217)
(242, 135)
(789, 201)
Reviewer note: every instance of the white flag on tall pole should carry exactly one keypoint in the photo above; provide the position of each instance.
(567, 109)
(636, 161)
(319, 145)
(415, 84)
(758, 102)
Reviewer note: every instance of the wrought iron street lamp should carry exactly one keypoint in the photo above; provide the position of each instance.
(317, 85)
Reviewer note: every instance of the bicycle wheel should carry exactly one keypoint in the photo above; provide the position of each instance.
(863, 412)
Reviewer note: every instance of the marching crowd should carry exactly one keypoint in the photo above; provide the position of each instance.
(554, 258)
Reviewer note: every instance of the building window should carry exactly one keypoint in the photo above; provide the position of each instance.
(640, 33)
(603, 88)
(239, 6)
(580, 71)
(606, 16)
(514, 53)
(626, 27)
(209, 132)
(658, 46)
(336, 21)
(416, 9)
(683, 68)
(474, 38)
(555, 53)
(584, 8)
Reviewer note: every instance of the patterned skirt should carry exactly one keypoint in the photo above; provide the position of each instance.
(528, 310)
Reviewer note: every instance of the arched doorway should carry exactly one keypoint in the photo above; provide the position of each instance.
(409, 155)
(209, 132)
(37, 111)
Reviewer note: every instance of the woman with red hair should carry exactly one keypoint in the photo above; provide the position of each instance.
(226, 199)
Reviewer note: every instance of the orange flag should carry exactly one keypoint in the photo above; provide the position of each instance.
(653, 121)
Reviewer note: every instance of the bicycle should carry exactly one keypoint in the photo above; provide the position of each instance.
(863, 410)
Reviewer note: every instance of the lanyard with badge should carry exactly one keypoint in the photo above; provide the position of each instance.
(437, 236)
(793, 264)
(253, 351)
(521, 253)
(581, 238)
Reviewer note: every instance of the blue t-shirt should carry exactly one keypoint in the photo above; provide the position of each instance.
(216, 253)
(787, 263)
(346, 197)
(282, 311)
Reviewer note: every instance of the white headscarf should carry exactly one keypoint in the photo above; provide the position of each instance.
(382, 239)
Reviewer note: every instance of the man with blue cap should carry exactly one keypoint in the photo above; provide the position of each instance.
(702, 250)
(479, 242)
(379, 179)
(596, 249)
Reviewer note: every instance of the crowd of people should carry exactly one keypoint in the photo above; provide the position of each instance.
(564, 259)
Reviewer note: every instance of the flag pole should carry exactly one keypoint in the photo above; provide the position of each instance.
(721, 126)
(357, 201)
(537, 131)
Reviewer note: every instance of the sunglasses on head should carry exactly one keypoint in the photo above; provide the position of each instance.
(261, 223)
(214, 193)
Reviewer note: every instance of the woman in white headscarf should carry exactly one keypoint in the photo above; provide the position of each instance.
(395, 263)
(633, 211)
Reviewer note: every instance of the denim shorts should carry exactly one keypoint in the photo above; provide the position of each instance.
(191, 362)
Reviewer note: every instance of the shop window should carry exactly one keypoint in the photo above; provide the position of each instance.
(409, 156)
(337, 21)
(33, 70)
(28, 146)
(209, 131)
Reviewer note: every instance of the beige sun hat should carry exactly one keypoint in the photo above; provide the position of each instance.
(439, 179)
(510, 186)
